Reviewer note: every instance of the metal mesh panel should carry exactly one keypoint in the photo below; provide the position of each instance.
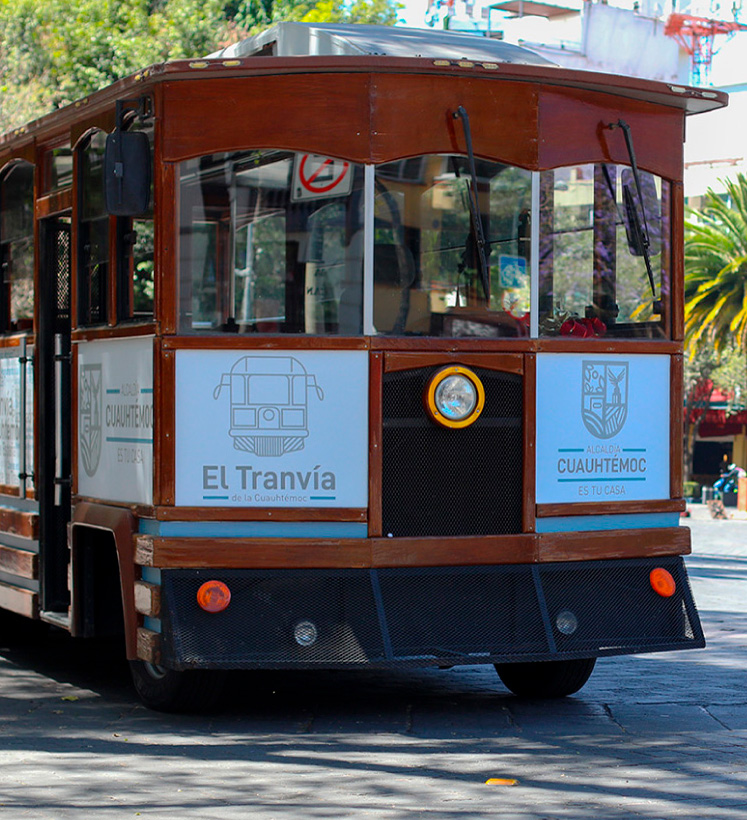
(426, 616)
(62, 242)
(440, 481)
(447, 612)
(615, 604)
(257, 628)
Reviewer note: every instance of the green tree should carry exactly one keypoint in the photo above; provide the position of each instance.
(716, 270)
(53, 52)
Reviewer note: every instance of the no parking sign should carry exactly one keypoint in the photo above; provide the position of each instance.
(319, 177)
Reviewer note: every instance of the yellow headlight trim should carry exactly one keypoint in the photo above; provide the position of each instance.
(435, 382)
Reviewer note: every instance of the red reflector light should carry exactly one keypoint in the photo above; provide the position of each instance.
(662, 582)
(213, 596)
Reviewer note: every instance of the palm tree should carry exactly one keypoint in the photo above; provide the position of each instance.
(716, 270)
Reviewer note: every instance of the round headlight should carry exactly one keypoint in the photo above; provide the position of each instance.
(455, 397)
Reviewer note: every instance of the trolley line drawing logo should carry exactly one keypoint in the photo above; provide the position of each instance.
(269, 404)
(90, 417)
(604, 406)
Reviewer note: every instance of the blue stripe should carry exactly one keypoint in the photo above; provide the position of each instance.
(603, 478)
(154, 624)
(123, 440)
(590, 523)
(254, 529)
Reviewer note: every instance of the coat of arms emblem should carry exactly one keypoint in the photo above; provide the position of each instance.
(604, 405)
(89, 438)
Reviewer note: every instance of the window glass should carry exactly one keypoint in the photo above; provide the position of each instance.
(93, 266)
(135, 256)
(428, 274)
(271, 241)
(17, 246)
(593, 276)
(59, 168)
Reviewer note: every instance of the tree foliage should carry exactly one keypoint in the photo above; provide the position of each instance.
(53, 52)
(716, 270)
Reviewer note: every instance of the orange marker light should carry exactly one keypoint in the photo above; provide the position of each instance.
(213, 596)
(662, 582)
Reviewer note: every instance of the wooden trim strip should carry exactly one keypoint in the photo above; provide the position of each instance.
(55, 203)
(17, 522)
(595, 546)
(329, 553)
(122, 330)
(232, 553)
(259, 342)
(148, 645)
(375, 455)
(164, 442)
(12, 341)
(18, 562)
(148, 599)
(677, 284)
(259, 514)
(20, 601)
(7, 489)
(673, 505)
(676, 428)
(504, 362)
(456, 551)
(450, 345)
(563, 345)
(530, 431)
(405, 345)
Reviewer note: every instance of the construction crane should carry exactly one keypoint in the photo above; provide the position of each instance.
(696, 36)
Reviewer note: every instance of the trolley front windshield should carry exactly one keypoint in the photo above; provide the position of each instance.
(282, 242)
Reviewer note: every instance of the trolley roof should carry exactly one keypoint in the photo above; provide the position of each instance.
(305, 48)
(328, 39)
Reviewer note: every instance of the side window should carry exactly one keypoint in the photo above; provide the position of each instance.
(271, 242)
(17, 247)
(93, 235)
(135, 266)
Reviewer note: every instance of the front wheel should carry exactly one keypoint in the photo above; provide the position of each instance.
(167, 690)
(545, 679)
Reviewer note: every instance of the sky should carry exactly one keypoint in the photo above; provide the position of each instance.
(729, 64)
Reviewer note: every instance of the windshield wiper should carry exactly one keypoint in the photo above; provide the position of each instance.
(474, 205)
(641, 226)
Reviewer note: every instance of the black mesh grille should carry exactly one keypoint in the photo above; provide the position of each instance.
(441, 481)
(426, 616)
(63, 275)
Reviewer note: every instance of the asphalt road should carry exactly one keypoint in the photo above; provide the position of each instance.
(655, 736)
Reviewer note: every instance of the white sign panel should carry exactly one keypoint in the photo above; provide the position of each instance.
(115, 420)
(318, 177)
(10, 420)
(602, 427)
(272, 428)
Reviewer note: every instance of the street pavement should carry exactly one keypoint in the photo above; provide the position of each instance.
(660, 736)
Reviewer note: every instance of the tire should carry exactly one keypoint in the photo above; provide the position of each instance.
(545, 679)
(167, 690)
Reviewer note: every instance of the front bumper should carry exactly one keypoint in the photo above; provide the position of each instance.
(426, 616)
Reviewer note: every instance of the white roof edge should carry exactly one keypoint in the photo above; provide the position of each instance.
(337, 39)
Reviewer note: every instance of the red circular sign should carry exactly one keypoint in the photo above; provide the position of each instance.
(313, 184)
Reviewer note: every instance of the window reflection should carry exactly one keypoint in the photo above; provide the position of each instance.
(427, 271)
(17, 247)
(271, 241)
(593, 279)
